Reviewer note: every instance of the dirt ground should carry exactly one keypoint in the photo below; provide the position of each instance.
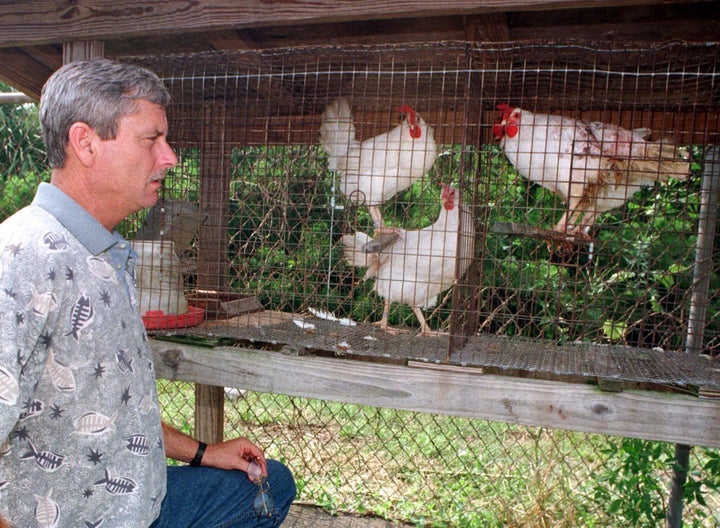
(302, 516)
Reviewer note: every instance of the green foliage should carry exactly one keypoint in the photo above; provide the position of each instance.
(630, 286)
(18, 191)
(22, 148)
(631, 472)
(633, 485)
(439, 471)
(286, 219)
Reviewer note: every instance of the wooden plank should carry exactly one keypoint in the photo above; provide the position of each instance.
(470, 393)
(212, 273)
(490, 27)
(48, 21)
(21, 72)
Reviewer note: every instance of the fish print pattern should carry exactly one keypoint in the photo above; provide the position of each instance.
(9, 387)
(81, 316)
(61, 376)
(46, 460)
(55, 241)
(117, 485)
(42, 303)
(94, 423)
(138, 444)
(101, 458)
(124, 361)
(34, 408)
(47, 511)
(101, 269)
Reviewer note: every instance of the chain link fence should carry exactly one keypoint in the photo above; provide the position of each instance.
(441, 471)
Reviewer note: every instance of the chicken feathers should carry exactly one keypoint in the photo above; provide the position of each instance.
(593, 166)
(421, 263)
(373, 171)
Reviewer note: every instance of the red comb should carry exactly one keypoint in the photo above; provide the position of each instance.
(409, 110)
(506, 109)
(499, 126)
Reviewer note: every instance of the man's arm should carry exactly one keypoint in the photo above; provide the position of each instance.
(231, 454)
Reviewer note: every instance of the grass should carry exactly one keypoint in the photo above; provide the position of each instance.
(427, 470)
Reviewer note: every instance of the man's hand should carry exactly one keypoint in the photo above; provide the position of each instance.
(234, 454)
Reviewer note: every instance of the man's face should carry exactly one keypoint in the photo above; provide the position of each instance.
(131, 167)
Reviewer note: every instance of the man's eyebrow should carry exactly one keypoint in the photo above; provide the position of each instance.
(154, 132)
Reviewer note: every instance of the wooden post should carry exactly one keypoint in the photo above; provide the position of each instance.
(83, 49)
(213, 266)
(209, 413)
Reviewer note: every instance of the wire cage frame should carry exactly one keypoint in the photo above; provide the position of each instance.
(262, 217)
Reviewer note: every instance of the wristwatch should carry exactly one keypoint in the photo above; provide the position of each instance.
(199, 454)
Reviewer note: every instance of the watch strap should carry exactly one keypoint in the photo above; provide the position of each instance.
(199, 454)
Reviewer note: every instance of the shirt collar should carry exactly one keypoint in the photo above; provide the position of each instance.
(81, 224)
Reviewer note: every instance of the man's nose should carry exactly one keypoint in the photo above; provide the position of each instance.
(168, 158)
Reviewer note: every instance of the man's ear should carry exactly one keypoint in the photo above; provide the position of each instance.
(81, 142)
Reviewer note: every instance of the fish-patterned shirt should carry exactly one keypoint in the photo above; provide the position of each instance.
(79, 419)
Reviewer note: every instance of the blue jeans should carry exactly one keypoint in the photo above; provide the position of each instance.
(204, 497)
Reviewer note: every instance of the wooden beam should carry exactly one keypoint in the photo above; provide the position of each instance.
(48, 21)
(490, 27)
(22, 72)
(212, 272)
(443, 390)
(14, 98)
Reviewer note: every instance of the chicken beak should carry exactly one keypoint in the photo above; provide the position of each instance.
(415, 130)
(499, 128)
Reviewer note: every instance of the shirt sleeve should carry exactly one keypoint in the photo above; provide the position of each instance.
(29, 295)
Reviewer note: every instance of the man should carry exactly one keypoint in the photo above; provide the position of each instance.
(83, 441)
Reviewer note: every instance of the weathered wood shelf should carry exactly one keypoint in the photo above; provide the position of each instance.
(448, 389)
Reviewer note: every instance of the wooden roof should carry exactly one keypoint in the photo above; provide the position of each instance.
(34, 33)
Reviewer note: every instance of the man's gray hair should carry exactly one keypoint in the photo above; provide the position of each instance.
(97, 92)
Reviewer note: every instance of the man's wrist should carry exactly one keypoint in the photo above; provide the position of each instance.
(199, 454)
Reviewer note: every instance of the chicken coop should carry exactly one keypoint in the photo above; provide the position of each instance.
(262, 209)
(572, 284)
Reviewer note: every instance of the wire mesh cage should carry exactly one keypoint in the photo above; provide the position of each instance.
(575, 247)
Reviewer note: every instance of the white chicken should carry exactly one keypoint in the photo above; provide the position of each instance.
(420, 264)
(593, 166)
(375, 170)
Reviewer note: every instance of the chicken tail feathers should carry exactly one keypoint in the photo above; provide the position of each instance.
(661, 161)
(647, 172)
(337, 131)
